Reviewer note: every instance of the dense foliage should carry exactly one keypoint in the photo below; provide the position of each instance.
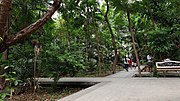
(77, 40)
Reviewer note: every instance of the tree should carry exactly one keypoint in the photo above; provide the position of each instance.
(112, 37)
(158, 27)
(133, 40)
(6, 40)
(9, 40)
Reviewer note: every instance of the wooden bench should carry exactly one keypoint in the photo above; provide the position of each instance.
(167, 66)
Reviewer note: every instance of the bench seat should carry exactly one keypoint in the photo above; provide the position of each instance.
(168, 66)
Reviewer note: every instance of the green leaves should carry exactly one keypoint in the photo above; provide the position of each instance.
(70, 41)
(10, 79)
(2, 96)
(62, 62)
(161, 42)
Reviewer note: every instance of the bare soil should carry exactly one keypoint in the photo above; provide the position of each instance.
(45, 94)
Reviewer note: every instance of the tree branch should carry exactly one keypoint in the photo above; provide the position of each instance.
(106, 14)
(11, 40)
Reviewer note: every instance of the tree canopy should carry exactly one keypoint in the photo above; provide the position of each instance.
(86, 35)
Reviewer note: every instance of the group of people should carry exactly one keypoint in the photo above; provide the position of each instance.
(129, 62)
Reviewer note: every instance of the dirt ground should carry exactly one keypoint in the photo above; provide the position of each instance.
(45, 94)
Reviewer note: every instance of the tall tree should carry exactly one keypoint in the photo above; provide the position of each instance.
(133, 40)
(97, 40)
(112, 37)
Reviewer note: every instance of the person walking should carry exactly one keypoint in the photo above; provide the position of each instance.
(134, 63)
(126, 65)
(130, 62)
(150, 62)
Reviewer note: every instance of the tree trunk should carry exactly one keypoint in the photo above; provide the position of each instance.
(67, 31)
(5, 6)
(2, 70)
(97, 44)
(114, 45)
(133, 40)
(112, 37)
(11, 40)
(5, 55)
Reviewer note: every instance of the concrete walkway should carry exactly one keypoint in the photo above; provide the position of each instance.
(121, 74)
(123, 87)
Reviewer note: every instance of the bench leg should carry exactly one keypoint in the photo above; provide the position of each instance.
(178, 73)
(164, 73)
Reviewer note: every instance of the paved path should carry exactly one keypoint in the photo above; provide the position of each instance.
(123, 87)
(121, 74)
(131, 89)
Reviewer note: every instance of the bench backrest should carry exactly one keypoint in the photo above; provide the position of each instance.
(168, 64)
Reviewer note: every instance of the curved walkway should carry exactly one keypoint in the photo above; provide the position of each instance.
(123, 87)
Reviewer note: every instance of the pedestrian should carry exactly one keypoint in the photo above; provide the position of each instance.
(126, 65)
(130, 62)
(150, 62)
(134, 63)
